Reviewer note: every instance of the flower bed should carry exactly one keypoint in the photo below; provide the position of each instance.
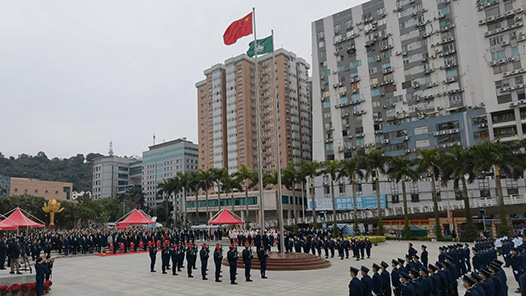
(24, 289)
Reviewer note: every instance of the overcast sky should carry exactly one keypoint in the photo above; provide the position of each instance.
(75, 75)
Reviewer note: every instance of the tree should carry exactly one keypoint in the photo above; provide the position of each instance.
(311, 169)
(332, 168)
(352, 168)
(168, 187)
(502, 157)
(427, 161)
(218, 176)
(249, 178)
(399, 169)
(187, 181)
(458, 164)
(206, 180)
(231, 183)
(375, 162)
(290, 177)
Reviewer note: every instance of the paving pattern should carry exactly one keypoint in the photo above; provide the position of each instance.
(130, 275)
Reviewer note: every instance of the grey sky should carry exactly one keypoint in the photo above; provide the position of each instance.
(75, 75)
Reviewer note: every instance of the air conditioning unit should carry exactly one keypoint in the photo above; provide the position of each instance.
(385, 141)
(406, 138)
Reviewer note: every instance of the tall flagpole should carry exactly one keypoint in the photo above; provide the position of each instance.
(278, 151)
(258, 127)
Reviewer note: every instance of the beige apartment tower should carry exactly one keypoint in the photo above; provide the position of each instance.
(227, 112)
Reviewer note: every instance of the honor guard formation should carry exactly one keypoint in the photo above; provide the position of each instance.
(481, 274)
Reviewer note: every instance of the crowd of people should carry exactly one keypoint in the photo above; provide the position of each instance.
(481, 275)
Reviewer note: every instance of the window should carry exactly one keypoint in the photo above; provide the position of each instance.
(373, 70)
(508, 5)
(348, 24)
(375, 92)
(495, 40)
(355, 64)
(497, 55)
(444, 11)
(321, 44)
(341, 68)
(451, 73)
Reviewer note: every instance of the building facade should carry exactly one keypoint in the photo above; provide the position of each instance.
(45, 189)
(164, 161)
(411, 74)
(227, 112)
(385, 63)
(113, 175)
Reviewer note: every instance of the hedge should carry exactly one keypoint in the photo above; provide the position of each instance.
(373, 239)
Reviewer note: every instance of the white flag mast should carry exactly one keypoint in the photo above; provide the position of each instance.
(258, 127)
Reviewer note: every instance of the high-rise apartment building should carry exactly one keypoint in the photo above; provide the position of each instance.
(415, 74)
(227, 112)
(163, 161)
(113, 175)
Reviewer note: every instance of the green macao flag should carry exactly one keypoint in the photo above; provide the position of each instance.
(264, 46)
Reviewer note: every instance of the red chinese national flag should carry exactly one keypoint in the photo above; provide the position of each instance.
(238, 29)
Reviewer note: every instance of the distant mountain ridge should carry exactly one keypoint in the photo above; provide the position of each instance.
(76, 169)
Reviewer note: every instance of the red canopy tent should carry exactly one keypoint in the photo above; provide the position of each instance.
(7, 224)
(136, 217)
(225, 217)
(22, 220)
(122, 226)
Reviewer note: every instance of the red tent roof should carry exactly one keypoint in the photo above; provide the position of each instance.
(22, 220)
(136, 217)
(122, 226)
(225, 217)
(7, 224)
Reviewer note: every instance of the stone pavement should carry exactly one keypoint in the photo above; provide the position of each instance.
(130, 275)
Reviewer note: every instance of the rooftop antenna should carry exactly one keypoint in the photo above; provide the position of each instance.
(111, 149)
(153, 138)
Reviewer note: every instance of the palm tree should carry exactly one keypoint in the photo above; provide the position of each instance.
(311, 169)
(458, 164)
(206, 180)
(352, 168)
(399, 169)
(231, 183)
(375, 164)
(250, 178)
(332, 168)
(290, 178)
(187, 182)
(168, 187)
(218, 176)
(506, 157)
(428, 161)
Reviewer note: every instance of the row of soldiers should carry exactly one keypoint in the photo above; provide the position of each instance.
(176, 253)
(307, 244)
(411, 277)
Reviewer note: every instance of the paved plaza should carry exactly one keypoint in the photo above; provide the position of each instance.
(130, 275)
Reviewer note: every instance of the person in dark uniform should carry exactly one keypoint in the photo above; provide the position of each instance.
(361, 247)
(367, 282)
(218, 257)
(517, 266)
(487, 282)
(411, 251)
(415, 282)
(425, 284)
(435, 280)
(386, 279)
(468, 283)
(165, 258)
(41, 269)
(173, 255)
(247, 260)
(203, 255)
(424, 256)
(467, 257)
(153, 255)
(3, 251)
(377, 281)
(232, 257)
(476, 286)
(262, 256)
(190, 257)
(355, 286)
(406, 287)
(395, 278)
